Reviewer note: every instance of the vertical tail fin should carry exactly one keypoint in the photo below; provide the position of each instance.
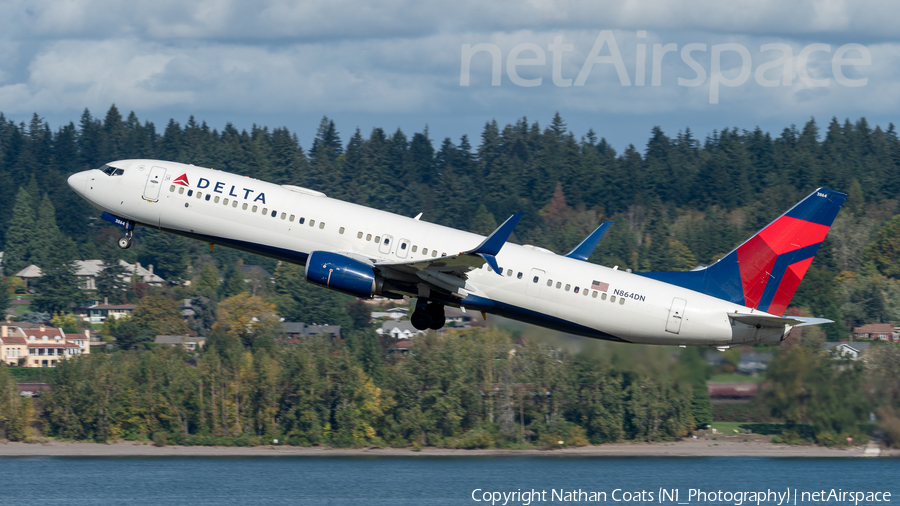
(764, 272)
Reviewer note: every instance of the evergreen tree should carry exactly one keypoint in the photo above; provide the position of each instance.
(58, 287)
(113, 280)
(19, 248)
(46, 235)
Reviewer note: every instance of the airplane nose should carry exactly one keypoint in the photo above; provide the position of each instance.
(78, 182)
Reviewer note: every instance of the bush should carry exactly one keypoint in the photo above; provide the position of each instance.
(160, 438)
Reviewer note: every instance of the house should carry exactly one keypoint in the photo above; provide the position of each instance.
(189, 343)
(187, 309)
(300, 330)
(13, 345)
(852, 350)
(398, 329)
(98, 313)
(87, 271)
(401, 347)
(395, 313)
(753, 362)
(877, 331)
(44, 346)
(29, 273)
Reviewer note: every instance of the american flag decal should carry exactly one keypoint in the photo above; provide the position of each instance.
(600, 287)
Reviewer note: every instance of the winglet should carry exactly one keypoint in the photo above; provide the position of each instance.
(583, 251)
(491, 246)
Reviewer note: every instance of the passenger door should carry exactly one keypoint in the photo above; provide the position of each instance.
(154, 183)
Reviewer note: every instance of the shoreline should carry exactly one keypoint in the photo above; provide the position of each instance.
(722, 447)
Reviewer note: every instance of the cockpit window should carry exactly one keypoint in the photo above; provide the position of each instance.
(112, 171)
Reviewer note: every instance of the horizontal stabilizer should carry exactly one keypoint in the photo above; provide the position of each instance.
(776, 321)
(589, 244)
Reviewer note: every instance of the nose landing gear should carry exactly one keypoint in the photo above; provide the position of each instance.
(428, 315)
(125, 242)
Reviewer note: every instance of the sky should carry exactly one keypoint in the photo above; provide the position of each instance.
(617, 67)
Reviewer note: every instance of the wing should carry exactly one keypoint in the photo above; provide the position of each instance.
(450, 273)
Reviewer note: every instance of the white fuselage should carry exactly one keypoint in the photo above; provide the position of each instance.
(288, 223)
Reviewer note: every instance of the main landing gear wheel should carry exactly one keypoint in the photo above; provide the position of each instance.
(125, 242)
(428, 316)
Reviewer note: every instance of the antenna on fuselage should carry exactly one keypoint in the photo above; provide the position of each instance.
(418, 216)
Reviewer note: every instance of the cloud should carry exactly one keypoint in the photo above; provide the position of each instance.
(400, 58)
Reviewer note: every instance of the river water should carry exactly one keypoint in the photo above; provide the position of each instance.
(446, 481)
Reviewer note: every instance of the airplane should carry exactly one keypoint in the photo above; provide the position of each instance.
(364, 252)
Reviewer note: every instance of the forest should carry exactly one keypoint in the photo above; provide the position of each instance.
(678, 202)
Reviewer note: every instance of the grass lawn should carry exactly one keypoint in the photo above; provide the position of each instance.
(742, 427)
(736, 378)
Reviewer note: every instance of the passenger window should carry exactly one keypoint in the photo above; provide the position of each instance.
(301, 220)
(549, 282)
(443, 254)
(199, 195)
(559, 284)
(234, 203)
(368, 237)
(225, 201)
(216, 199)
(568, 286)
(359, 235)
(576, 289)
(586, 292)
(594, 294)
(181, 191)
(519, 276)
(424, 251)
(341, 230)
(622, 301)
(172, 188)
(283, 215)
(509, 272)
(265, 211)
(274, 213)
(207, 197)
(414, 248)
(312, 223)
(253, 209)
(190, 192)
(387, 241)
(536, 279)
(321, 225)
(402, 245)
(244, 207)
(603, 297)
(433, 253)
(291, 218)
(612, 299)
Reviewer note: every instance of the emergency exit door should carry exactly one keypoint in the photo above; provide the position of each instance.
(676, 315)
(154, 183)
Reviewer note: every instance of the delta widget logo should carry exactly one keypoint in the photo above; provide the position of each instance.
(182, 180)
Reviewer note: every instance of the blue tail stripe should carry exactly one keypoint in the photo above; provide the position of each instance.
(781, 264)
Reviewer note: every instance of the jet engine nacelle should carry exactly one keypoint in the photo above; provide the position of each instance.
(342, 273)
